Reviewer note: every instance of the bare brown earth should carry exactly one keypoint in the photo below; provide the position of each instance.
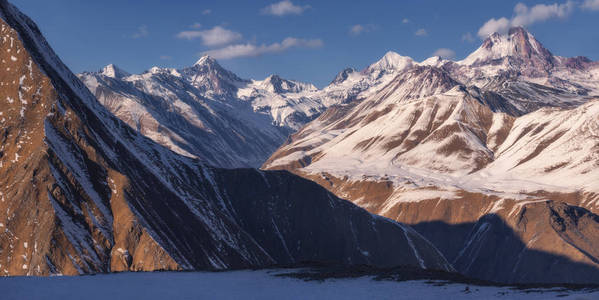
(36, 186)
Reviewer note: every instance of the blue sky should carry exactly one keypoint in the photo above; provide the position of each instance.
(304, 40)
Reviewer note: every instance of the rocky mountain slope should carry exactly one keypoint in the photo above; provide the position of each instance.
(206, 111)
(509, 135)
(82, 192)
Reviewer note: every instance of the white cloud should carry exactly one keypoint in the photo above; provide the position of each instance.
(445, 53)
(524, 16)
(142, 31)
(590, 5)
(206, 11)
(405, 21)
(285, 7)
(359, 29)
(217, 36)
(421, 32)
(249, 50)
(467, 37)
(501, 25)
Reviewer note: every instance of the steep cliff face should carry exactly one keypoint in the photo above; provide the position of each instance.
(82, 192)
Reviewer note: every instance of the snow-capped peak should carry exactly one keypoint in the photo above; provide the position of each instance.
(434, 61)
(113, 71)
(206, 60)
(275, 84)
(343, 75)
(209, 76)
(518, 43)
(391, 61)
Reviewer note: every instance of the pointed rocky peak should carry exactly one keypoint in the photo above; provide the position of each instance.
(517, 44)
(208, 75)
(420, 82)
(435, 61)
(274, 79)
(391, 62)
(526, 45)
(206, 60)
(208, 65)
(274, 83)
(343, 75)
(113, 71)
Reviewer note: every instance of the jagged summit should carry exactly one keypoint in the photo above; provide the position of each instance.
(518, 43)
(208, 64)
(206, 60)
(274, 83)
(433, 61)
(343, 75)
(113, 71)
(391, 61)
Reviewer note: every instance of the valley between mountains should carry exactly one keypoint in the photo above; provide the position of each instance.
(488, 166)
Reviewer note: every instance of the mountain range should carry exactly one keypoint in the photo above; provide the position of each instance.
(82, 192)
(497, 153)
(486, 166)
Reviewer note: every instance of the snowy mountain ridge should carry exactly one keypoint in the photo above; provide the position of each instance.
(493, 158)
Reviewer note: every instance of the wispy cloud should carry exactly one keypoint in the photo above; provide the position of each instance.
(445, 53)
(249, 50)
(524, 16)
(206, 11)
(285, 7)
(359, 29)
(590, 5)
(196, 25)
(421, 32)
(216, 36)
(166, 57)
(467, 37)
(405, 21)
(142, 31)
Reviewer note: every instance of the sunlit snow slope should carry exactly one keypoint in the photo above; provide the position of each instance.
(498, 151)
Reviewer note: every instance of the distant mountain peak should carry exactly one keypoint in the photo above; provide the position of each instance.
(274, 78)
(433, 61)
(518, 43)
(276, 84)
(113, 71)
(391, 61)
(343, 75)
(206, 60)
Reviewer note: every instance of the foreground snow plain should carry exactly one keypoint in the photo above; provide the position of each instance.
(262, 284)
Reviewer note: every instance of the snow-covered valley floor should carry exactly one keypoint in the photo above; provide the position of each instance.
(256, 285)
